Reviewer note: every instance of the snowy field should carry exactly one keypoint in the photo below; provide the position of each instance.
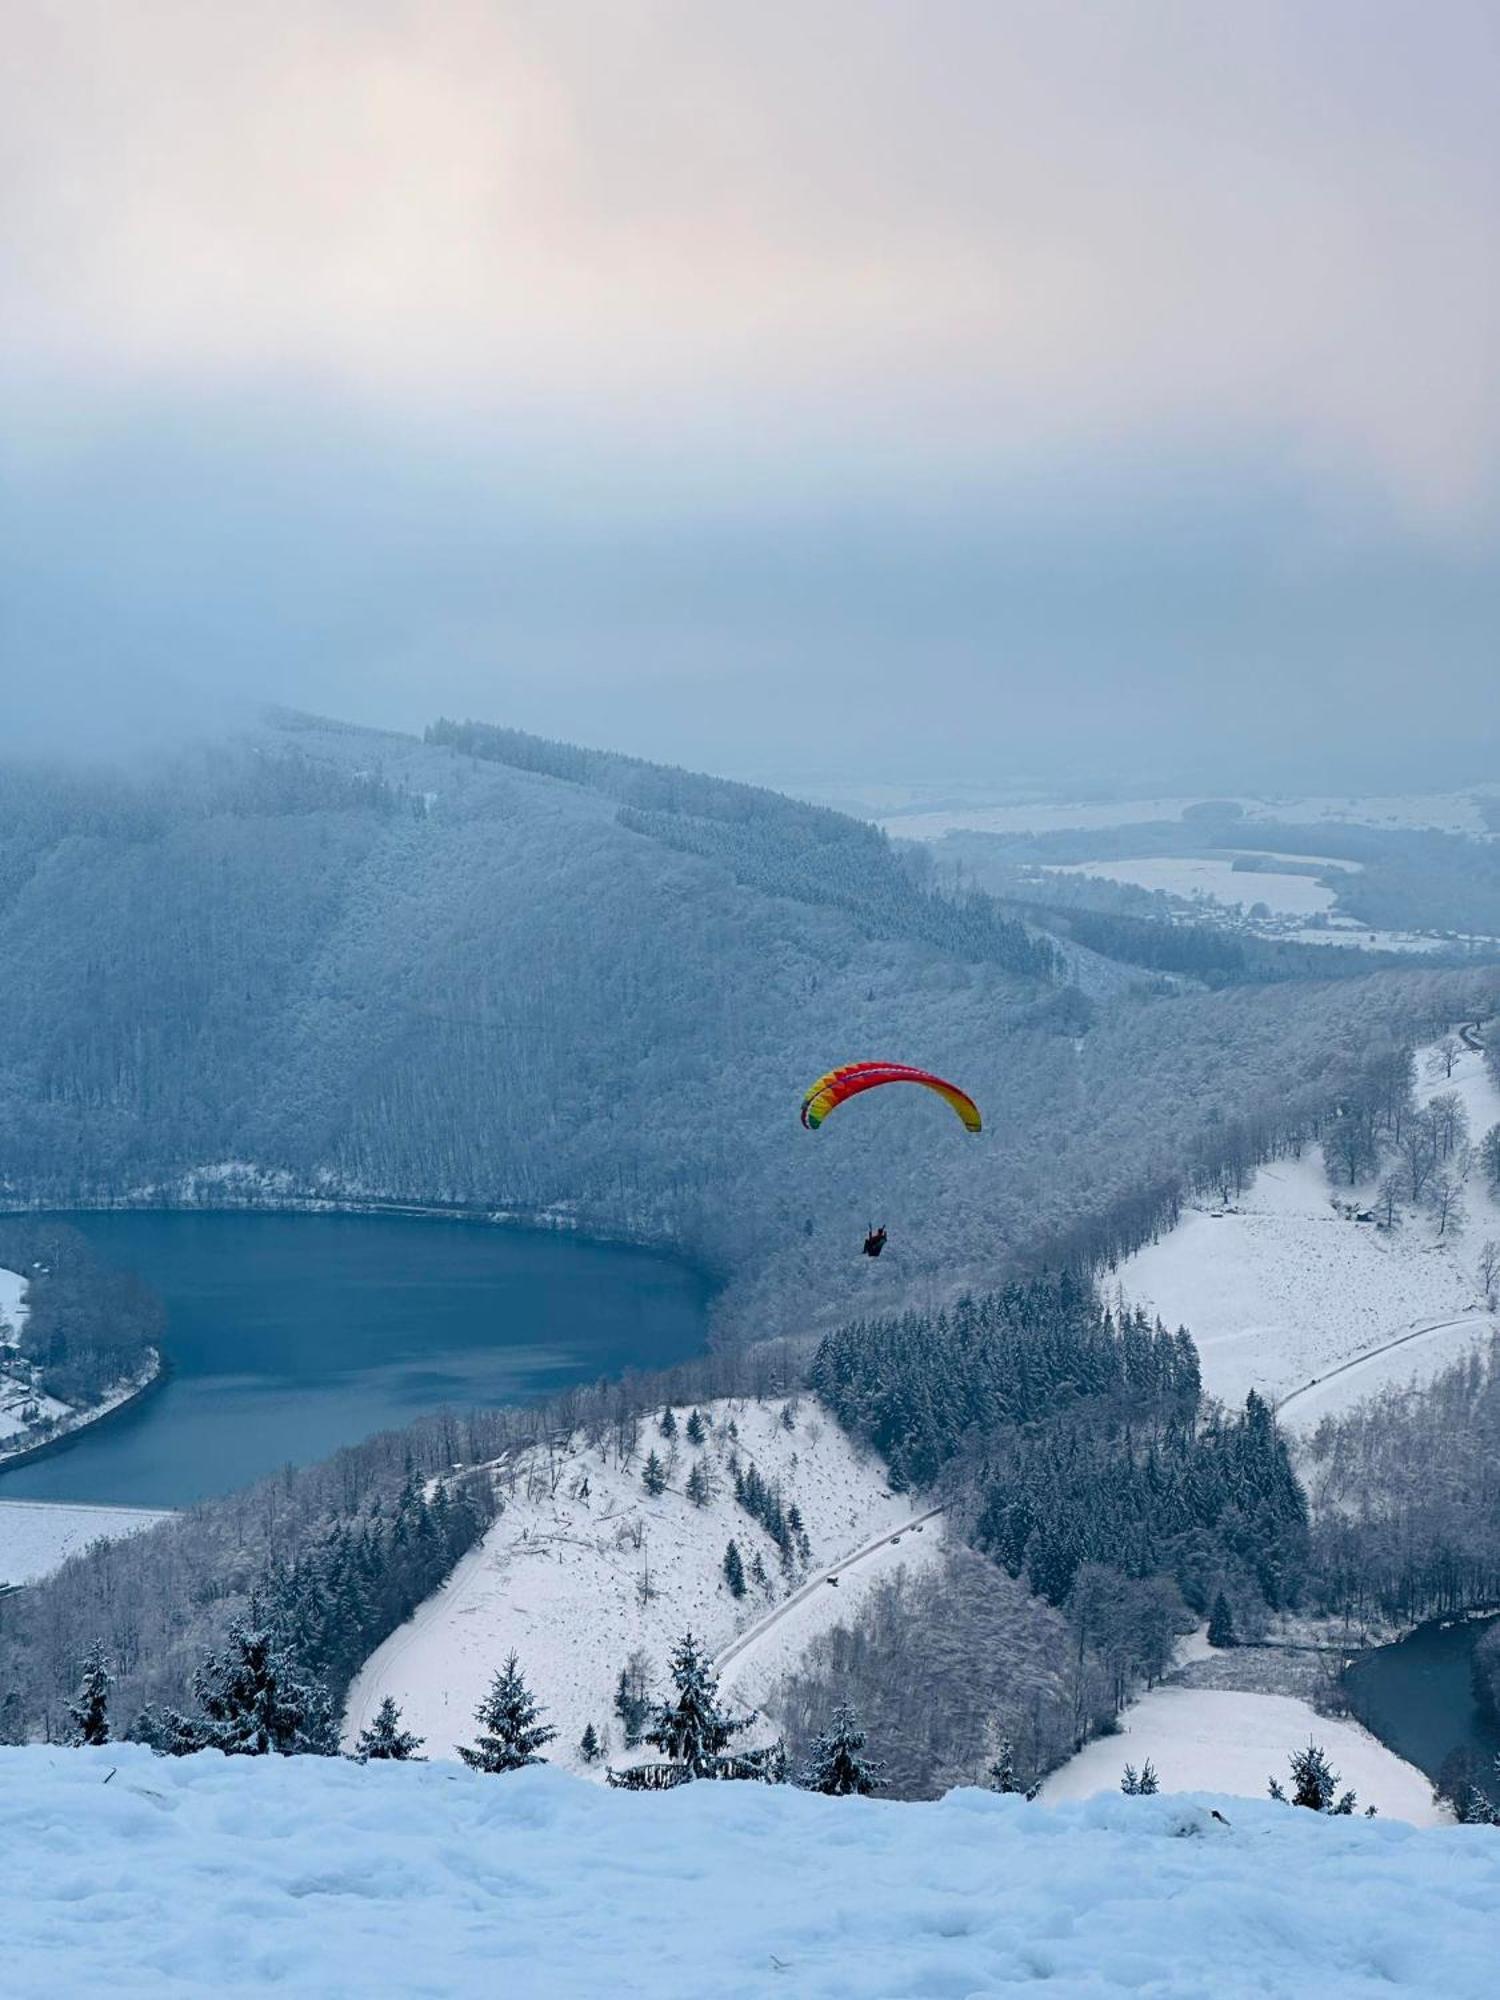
(1286, 1296)
(1449, 812)
(38, 1536)
(1190, 875)
(1215, 1740)
(12, 1302)
(312, 1876)
(563, 1575)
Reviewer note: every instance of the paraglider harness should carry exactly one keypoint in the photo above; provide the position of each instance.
(875, 1242)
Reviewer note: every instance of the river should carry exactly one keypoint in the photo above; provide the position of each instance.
(290, 1335)
(1418, 1696)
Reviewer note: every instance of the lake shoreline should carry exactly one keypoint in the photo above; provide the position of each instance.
(89, 1422)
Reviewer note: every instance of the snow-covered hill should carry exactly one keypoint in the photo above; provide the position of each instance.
(1287, 1294)
(314, 1876)
(583, 1567)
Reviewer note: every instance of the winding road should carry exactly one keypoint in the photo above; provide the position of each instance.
(1474, 1319)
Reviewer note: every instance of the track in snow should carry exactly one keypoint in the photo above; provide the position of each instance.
(1385, 1347)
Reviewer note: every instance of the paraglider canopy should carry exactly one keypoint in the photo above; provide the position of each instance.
(830, 1091)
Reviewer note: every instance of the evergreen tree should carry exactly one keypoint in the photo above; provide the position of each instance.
(758, 1574)
(385, 1741)
(1315, 1784)
(1003, 1771)
(1221, 1623)
(837, 1765)
(699, 1491)
(633, 1698)
(788, 1421)
(697, 1429)
(654, 1476)
(510, 1731)
(255, 1700)
(734, 1570)
(668, 1424)
(90, 1707)
(692, 1729)
(589, 1747)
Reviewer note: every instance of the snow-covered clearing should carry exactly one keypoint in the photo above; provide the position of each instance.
(38, 1536)
(562, 1576)
(13, 1307)
(1195, 875)
(203, 1874)
(1286, 1295)
(16, 1396)
(1449, 812)
(1217, 1740)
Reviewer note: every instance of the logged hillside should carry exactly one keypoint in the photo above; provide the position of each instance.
(490, 970)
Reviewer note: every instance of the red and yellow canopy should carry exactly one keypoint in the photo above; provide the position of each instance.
(830, 1091)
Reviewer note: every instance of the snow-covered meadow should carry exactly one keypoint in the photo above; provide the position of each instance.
(1230, 1741)
(131, 1875)
(583, 1567)
(1285, 1294)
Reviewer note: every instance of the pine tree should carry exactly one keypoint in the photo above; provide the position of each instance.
(1315, 1784)
(734, 1570)
(758, 1574)
(668, 1424)
(510, 1731)
(1221, 1623)
(255, 1699)
(633, 1697)
(589, 1747)
(654, 1476)
(788, 1421)
(1003, 1771)
(697, 1429)
(385, 1741)
(692, 1729)
(699, 1490)
(837, 1766)
(90, 1708)
(1150, 1783)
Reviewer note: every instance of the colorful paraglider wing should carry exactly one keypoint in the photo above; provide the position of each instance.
(830, 1091)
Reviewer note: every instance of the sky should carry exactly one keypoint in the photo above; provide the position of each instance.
(915, 391)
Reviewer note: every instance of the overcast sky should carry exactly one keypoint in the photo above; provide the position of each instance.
(807, 388)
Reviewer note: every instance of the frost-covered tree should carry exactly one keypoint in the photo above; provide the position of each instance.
(734, 1570)
(89, 1709)
(511, 1733)
(691, 1729)
(654, 1476)
(668, 1424)
(633, 1697)
(838, 1766)
(255, 1701)
(1140, 1784)
(758, 1575)
(1489, 1273)
(385, 1741)
(697, 1428)
(590, 1749)
(699, 1487)
(1221, 1623)
(788, 1417)
(1315, 1784)
(1002, 1773)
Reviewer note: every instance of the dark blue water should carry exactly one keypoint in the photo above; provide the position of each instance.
(1418, 1696)
(290, 1335)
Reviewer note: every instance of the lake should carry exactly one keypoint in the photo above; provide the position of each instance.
(290, 1335)
(1418, 1695)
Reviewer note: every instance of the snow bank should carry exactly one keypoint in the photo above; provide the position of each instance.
(1215, 1740)
(563, 1575)
(312, 1876)
(38, 1536)
(1285, 1295)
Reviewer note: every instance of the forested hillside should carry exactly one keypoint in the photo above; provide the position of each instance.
(491, 970)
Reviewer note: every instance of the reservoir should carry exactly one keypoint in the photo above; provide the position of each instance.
(1418, 1696)
(290, 1335)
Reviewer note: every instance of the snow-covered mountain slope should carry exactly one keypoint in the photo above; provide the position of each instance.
(314, 1876)
(1229, 1741)
(1288, 1295)
(583, 1567)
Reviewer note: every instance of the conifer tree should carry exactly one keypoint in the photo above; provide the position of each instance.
(788, 1421)
(90, 1707)
(385, 1741)
(758, 1574)
(1315, 1784)
(837, 1765)
(510, 1730)
(255, 1701)
(633, 1698)
(699, 1491)
(697, 1429)
(668, 1424)
(1003, 1771)
(654, 1476)
(692, 1729)
(589, 1746)
(1221, 1623)
(734, 1570)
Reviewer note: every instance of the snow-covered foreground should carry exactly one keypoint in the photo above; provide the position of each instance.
(314, 1876)
(1286, 1295)
(583, 1567)
(1217, 1740)
(38, 1536)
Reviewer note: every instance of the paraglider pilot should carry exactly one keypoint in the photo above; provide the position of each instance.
(875, 1241)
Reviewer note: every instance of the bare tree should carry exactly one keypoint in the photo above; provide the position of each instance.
(1391, 1190)
(1489, 1273)
(1450, 1123)
(1446, 1200)
(1444, 1057)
